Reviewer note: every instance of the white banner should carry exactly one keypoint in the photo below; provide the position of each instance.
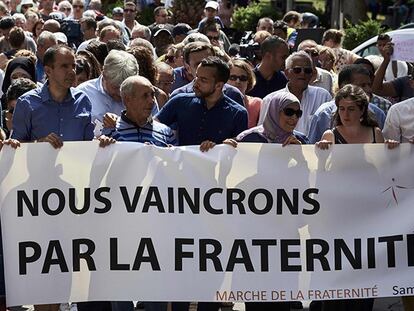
(260, 222)
(403, 47)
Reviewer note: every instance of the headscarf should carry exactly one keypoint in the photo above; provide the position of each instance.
(270, 129)
(19, 62)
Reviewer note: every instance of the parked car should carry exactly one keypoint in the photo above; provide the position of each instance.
(369, 47)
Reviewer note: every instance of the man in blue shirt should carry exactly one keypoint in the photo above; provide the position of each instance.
(135, 123)
(193, 54)
(269, 74)
(322, 119)
(54, 112)
(207, 115)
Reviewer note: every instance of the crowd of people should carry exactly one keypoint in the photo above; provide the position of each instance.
(174, 84)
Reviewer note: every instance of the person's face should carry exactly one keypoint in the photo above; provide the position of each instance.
(364, 82)
(195, 59)
(11, 104)
(300, 74)
(326, 61)
(165, 81)
(31, 21)
(110, 35)
(47, 4)
(279, 56)
(20, 73)
(20, 23)
(65, 9)
(118, 17)
(288, 118)
(349, 112)
(330, 43)
(38, 29)
(381, 44)
(205, 82)
(25, 7)
(62, 72)
(139, 105)
(210, 13)
(81, 77)
(280, 33)
(78, 8)
(264, 25)
(130, 12)
(162, 17)
(238, 78)
(214, 37)
(111, 89)
(313, 53)
(41, 49)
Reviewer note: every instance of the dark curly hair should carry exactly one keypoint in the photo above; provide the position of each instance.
(145, 61)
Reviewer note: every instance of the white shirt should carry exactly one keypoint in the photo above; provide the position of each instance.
(399, 124)
(324, 79)
(402, 71)
(312, 98)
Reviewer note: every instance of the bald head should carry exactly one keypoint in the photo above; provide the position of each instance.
(131, 84)
(51, 25)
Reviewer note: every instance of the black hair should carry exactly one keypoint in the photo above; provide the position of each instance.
(270, 44)
(346, 74)
(50, 55)
(19, 87)
(222, 68)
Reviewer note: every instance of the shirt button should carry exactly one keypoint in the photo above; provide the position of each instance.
(61, 135)
(61, 119)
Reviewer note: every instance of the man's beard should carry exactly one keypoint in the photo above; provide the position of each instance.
(204, 94)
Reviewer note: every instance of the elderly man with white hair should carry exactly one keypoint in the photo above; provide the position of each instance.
(299, 71)
(104, 92)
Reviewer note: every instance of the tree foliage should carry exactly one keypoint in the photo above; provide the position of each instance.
(246, 18)
(355, 34)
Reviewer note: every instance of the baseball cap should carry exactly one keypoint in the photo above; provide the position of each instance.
(117, 10)
(181, 29)
(212, 4)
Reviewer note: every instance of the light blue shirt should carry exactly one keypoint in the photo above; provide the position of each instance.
(101, 101)
(37, 115)
(322, 119)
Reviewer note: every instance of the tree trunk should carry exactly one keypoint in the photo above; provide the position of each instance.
(355, 10)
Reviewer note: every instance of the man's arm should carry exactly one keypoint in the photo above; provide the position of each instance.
(380, 87)
(392, 126)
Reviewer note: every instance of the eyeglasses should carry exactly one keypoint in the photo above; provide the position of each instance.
(213, 38)
(129, 11)
(65, 9)
(306, 70)
(289, 112)
(75, 6)
(241, 78)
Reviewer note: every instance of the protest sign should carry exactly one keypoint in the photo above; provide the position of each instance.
(256, 223)
(403, 47)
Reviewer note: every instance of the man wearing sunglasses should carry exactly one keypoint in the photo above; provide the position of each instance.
(130, 13)
(320, 77)
(299, 71)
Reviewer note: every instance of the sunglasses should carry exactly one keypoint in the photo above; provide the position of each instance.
(78, 6)
(241, 78)
(129, 11)
(289, 112)
(65, 9)
(213, 38)
(306, 70)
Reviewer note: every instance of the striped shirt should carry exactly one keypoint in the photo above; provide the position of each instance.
(152, 132)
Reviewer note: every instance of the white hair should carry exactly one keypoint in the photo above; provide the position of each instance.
(300, 54)
(118, 66)
(144, 29)
(127, 87)
(19, 16)
(45, 35)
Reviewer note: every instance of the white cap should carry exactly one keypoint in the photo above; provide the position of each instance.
(212, 4)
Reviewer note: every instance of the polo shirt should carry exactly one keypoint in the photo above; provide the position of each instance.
(37, 115)
(196, 123)
(264, 87)
(152, 132)
(228, 90)
(399, 124)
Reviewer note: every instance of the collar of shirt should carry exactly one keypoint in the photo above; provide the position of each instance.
(47, 98)
(129, 121)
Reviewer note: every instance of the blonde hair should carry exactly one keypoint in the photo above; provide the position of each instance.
(333, 34)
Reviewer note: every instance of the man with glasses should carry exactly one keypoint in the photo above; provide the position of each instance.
(130, 13)
(321, 77)
(160, 20)
(299, 71)
(269, 74)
